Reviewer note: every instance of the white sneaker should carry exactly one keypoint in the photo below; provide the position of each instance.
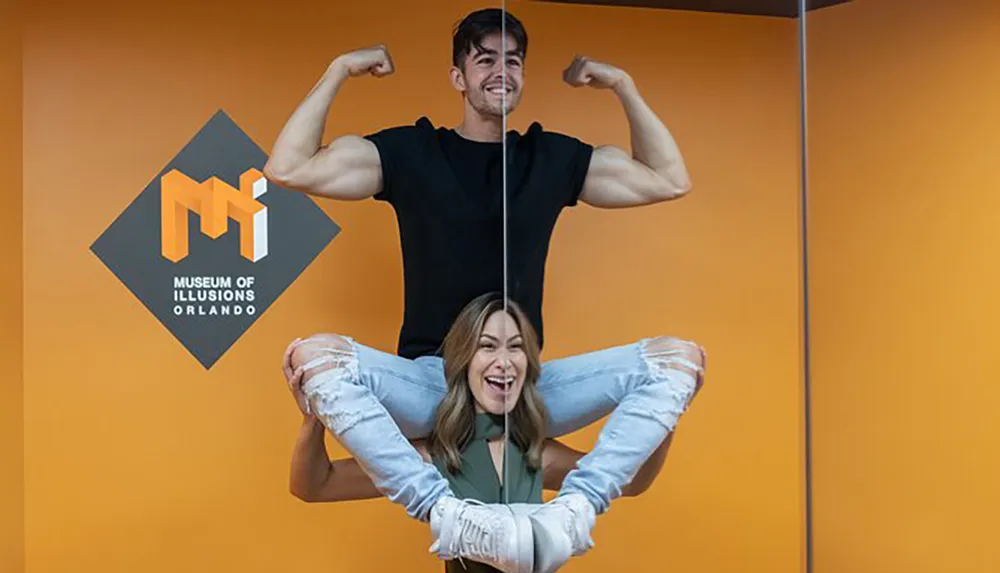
(561, 529)
(490, 534)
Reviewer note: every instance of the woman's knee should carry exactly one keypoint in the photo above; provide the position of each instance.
(665, 357)
(675, 353)
(321, 352)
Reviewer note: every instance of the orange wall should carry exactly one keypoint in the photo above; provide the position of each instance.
(139, 459)
(904, 108)
(11, 316)
(719, 267)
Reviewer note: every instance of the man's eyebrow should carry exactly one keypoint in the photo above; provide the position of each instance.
(492, 52)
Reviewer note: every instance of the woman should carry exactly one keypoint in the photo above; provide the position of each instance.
(491, 362)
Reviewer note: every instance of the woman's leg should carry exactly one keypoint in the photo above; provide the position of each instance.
(645, 387)
(373, 402)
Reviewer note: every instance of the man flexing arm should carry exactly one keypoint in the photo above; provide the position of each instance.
(348, 168)
(655, 170)
(342, 379)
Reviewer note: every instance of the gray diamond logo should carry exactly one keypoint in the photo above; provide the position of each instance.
(210, 244)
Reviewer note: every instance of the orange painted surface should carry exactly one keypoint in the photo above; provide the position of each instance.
(11, 315)
(904, 195)
(140, 460)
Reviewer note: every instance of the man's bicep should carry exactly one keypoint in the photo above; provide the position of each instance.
(349, 168)
(615, 180)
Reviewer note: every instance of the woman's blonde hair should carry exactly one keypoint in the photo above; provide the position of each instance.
(455, 421)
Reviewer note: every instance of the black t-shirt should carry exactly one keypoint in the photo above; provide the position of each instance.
(447, 192)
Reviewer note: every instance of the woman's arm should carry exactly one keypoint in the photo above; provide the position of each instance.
(315, 478)
(559, 459)
(649, 470)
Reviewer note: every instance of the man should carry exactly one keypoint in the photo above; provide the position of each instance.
(446, 188)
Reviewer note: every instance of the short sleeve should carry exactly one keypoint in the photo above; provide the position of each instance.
(579, 154)
(568, 159)
(394, 145)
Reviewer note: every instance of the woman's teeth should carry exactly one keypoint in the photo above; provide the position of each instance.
(501, 383)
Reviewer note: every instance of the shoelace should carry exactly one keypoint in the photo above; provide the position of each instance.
(474, 536)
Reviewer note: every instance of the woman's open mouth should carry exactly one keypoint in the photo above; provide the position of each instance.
(499, 385)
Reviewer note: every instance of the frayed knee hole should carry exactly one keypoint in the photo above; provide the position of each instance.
(322, 353)
(680, 355)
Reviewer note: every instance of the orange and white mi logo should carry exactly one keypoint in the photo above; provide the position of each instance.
(215, 201)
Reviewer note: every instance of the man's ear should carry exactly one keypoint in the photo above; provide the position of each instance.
(457, 79)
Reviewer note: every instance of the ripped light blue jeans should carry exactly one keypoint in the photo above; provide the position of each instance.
(374, 402)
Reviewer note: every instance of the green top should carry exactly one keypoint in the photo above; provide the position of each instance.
(477, 479)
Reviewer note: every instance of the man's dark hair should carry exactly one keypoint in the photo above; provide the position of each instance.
(470, 32)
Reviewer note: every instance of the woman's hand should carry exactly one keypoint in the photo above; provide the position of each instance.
(294, 379)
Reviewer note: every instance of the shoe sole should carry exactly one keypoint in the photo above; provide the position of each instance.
(525, 539)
